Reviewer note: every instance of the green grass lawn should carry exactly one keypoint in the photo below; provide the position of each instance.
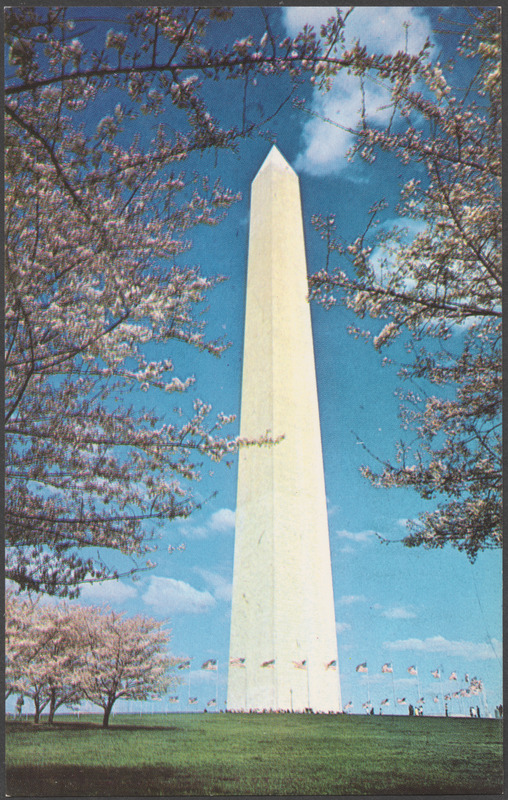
(236, 754)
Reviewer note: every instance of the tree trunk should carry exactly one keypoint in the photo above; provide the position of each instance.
(52, 708)
(107, 712)
(37, 712)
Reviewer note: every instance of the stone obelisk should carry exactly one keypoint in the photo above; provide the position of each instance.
(283, 647)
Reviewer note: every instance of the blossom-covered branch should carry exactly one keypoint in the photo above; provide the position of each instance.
(99, 224)
(439, 288)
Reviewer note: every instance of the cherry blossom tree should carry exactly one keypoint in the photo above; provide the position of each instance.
(44, 657)
(98, 228)
(15, 624)
(126, 657)
(58, 653)
(439, 290)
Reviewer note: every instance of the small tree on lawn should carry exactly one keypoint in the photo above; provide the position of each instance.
(27, 635)
(64, 658)
(17, 623)
(126, 658)
(43, 653)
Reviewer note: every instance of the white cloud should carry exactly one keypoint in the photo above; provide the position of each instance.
(383, 256)
(340, 627)
(380, 28)
(222, 589)
(193, 531)
(377, 27)
(331, 508)
(113, 591)
(398, 612)
(362, 536)
(169, 596)
(295, 17)
(222, 520)
(438, 644)
(347, 599)
(347, 549)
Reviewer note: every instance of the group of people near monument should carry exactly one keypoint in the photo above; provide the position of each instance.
(278, 711)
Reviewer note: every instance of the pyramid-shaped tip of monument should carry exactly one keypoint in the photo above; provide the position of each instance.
(275, 160)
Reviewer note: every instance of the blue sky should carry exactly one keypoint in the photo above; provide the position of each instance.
(403, 606)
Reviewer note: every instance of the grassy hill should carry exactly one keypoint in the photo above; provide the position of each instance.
(237, 754)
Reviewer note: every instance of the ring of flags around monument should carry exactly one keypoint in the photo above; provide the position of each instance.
(474, 687)
(211, 665)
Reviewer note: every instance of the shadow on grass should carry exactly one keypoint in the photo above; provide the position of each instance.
(85, 726)
(167, 781)
(74, 781)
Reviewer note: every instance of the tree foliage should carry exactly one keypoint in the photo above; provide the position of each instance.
(98, 226)
(43, 654)
(125, 658)
(61, 653)
(440, 288)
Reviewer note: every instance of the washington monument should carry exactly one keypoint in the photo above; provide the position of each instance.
(283, 647)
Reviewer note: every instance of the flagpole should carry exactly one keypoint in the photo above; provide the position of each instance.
(484, 700)
(393, 692)
(308, 689)
(217, 687)
(418, 683)
(189, 682)
(441, 685)
(368, 686)
(275, 673)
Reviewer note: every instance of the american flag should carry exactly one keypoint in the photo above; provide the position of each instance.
(298, 664)
(184, 665)
(401, 701)
(331, 665)
(210, 664)
(193, 700)
(348, 706)
(385, 702)
(236, 662)
(173, 699)
(387, 668)
(268, 663)
(212, 702)
(412, 670)
(435, 674)
(436, 699)
(362, 667)
(453, 676)
(466, 678)
(421, 700)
